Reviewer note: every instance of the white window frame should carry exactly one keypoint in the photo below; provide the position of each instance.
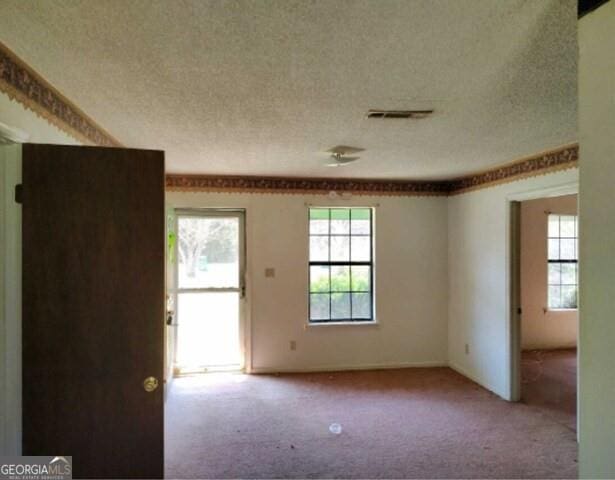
(560, 261)
(371, 263)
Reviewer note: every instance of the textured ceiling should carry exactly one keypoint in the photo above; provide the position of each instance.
(264, 87)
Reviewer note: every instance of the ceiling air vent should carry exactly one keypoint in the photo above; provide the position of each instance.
(404, 114)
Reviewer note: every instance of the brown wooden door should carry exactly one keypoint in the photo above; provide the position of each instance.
(93, 308)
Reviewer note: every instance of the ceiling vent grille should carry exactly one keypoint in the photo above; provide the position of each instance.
(398, 114)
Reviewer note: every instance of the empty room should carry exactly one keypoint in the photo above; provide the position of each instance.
(306, 239)
(549, 305)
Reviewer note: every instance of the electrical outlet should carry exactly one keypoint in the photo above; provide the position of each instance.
(467, 349)
(293, 345)
(270, 272)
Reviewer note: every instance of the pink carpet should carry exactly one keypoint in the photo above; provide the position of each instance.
(549, 383)
(409, 423)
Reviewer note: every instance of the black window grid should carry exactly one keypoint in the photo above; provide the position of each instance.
(349, 264)
(563, 261)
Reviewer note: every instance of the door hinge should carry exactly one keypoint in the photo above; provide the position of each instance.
(19, 193)
(519, 311)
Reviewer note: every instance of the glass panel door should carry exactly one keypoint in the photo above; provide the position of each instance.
(210, 281)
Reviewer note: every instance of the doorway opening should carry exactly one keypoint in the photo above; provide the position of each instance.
(210, 280)
(547, 257)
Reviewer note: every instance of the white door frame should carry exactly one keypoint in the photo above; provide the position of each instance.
(514, 269)
(240, 214)
(10, 302)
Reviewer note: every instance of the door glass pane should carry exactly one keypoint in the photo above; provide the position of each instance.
(208, 252)
(208, 330)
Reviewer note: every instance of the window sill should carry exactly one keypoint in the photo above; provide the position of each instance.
(548, 310)
(343, 324)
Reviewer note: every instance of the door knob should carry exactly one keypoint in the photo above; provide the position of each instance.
(150, 384)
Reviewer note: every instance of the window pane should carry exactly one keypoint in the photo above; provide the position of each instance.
(361, 249)
(340, 279)
(567, 249)
(554, 249)
(340, 249)
(208, 329)
(319, 306)
(553, 225)
(554, 297)
(340, 221)
(319, 279)
(319, 214)
(361, 279)
(319, 249)
(360, 221)
(361, 305)
(569, 297)
(340, 306)
(554, 273)
(567, 226)
(569, 274)
(319, 227)
(208, 252)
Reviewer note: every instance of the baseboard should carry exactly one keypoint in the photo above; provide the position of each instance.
(341, 368)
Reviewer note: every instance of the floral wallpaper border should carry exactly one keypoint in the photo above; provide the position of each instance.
(22, 83)
(560, 159)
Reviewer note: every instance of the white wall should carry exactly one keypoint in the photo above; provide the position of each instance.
(597, 260)
(10, 302)
(411, 283)
(15, 115)
(540, 328)
(478, 275)
(3, 280)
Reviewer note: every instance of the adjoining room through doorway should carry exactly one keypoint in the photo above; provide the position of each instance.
(549, 301)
